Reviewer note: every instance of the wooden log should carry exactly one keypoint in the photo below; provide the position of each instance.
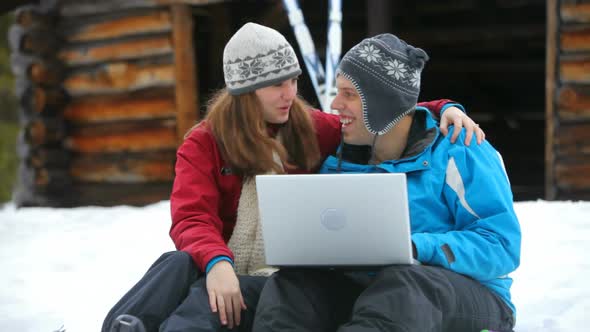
(575, 12)
(187, 88)
(575, 133)
(36, 101)
(43, 178)
(113, 51)
(119, 127)
(44, 131)
(36, 40)
(119, 77)
(575, 69)
(39, 71)
(565, 194)
(116, 108)
(122, 25)
(572, 150)
(573, 176)
(110, 194)
(575, 39)
(93, 7)
(101, 140)
(573, 102)
(127, 170)
(38, 157)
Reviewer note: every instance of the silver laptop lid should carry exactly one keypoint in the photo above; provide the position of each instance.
(335, 219)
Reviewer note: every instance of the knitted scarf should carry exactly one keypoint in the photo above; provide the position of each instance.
(246, 241)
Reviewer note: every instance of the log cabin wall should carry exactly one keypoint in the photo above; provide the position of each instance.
(568, 100)
(108, 89)
(120, 117)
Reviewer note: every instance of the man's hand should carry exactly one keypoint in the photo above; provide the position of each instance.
(225, 295)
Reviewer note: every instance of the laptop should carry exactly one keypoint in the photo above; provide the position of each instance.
(335, 220)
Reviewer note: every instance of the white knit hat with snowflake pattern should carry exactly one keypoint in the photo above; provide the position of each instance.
(256, 57)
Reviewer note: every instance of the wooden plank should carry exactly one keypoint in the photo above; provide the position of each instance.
(573, 102)
(185, 70)
(44, 131)
(550, 78)
(119, 77)
(155, 21)
(151, 139)
(121, 50)
(574, 69)
(577, 133)
(43, 177)
(109, 194)
(38, 70)
(572, 150)
(575, 39)
(573, 176)
(126, 107)
(93, 7)
(36, 100)
(39, 157)
(575, 12)
(123, 171)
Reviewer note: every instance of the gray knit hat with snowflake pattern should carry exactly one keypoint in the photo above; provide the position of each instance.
(256, 57)
(385, 71)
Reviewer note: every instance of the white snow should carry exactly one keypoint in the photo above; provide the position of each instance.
(68, 267)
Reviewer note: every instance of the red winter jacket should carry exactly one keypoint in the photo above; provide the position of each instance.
(204, 199)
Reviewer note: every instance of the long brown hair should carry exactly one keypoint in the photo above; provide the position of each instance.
(244, 141)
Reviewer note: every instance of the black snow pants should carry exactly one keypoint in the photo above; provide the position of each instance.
(398, 298)
(172, 296)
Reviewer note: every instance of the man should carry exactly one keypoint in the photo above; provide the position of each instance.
(464, 229)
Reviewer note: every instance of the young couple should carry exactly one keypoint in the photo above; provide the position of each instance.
(464, 229)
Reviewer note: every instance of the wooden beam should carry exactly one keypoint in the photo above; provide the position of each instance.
(117, 108)
(575, 40)
(185, 70)
(154, 21)
(121, 50)
(573, 69)
(574, 133)
(151, 139)
(550, 78)
(44, 131)
(574, 103)
(575, 12)
(128, 170)
(573, 175)
(119, 77)
(93, 7)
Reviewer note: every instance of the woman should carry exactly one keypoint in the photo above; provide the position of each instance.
(256, 125)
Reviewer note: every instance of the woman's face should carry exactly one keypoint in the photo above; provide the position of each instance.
(277, 99)
(350, 108)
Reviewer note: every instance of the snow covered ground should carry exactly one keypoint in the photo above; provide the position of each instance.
(67, 267)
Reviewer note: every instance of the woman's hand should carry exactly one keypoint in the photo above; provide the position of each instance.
(225, 295)
(459, 119)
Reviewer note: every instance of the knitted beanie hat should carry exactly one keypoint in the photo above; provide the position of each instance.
(256, 57)
(386, 73)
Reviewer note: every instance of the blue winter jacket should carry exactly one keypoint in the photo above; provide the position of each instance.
(461, 207)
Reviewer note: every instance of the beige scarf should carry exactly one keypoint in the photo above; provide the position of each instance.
(246, 240)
